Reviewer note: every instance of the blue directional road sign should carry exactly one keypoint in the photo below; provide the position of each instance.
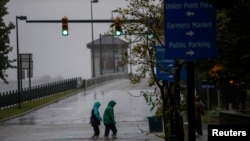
(164, 67)
(190, 29)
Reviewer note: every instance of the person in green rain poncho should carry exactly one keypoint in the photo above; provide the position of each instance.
(109, 120)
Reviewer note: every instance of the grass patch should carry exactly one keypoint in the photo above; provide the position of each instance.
(28, 106)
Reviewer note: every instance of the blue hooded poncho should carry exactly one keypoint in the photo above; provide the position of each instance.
(95, 118)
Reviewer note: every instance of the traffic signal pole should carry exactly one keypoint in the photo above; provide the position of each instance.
(64, 21)
(81, 21)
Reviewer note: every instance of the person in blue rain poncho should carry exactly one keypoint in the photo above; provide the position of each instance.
(95, 120)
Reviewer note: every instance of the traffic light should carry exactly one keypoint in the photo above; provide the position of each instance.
(118, 31)
(65, 29)
(118, 28)
(150, 35)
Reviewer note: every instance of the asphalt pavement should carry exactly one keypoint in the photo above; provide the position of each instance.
(68, 119)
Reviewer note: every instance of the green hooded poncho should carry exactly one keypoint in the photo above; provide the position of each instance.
(108, 116)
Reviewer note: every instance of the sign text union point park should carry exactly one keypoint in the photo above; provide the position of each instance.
(190, 29)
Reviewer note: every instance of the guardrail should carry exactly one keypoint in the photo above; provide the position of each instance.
(10, 98)
(97, 80)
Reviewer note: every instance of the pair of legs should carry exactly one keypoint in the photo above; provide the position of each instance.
(96, 131)
(198, 127)
(109, 127)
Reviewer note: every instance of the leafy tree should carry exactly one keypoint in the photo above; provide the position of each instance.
(232, 43)
(149, 16)
(5, 48)
(232, 51)
(233, 39)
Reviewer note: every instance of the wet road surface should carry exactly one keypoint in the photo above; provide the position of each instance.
(68, 119)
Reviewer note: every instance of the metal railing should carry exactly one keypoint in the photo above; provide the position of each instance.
(10, 98)
(97, 80)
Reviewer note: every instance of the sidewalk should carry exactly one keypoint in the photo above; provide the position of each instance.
(128, 132)
(68, 119)
(132, 131)
(204, 137)
(204, 129)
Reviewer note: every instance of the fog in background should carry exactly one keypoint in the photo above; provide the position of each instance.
(56, 56)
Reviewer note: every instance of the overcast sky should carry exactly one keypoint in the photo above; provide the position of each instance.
(54, 54)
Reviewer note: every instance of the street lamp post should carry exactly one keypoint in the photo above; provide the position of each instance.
(92, 33)
(100, 39)
(18, 61)
(130, 58)
(113, 46)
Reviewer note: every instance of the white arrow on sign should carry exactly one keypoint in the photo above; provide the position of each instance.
(171, 76)
(170, 65)
(189, 13)
(190, 33)
(190, 52)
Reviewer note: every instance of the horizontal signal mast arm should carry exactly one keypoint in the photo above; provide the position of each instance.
(82, 21)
